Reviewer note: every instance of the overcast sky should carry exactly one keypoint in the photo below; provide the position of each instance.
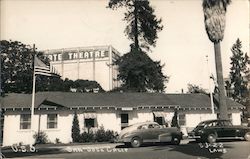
(182, 45)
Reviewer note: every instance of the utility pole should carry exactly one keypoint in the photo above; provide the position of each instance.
(210, 91)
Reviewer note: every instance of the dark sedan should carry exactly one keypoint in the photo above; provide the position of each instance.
(212, 130)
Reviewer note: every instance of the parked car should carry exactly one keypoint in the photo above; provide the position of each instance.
(212, 130)
(149, 132)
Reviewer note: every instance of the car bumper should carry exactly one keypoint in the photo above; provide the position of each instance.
(192, 135)
(123, 140)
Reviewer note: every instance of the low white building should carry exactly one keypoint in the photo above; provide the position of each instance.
(54, 112)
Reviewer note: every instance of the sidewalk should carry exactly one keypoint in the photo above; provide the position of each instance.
(85, 146)
(8, 152)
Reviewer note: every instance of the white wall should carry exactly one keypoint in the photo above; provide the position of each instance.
(110, 119)
(192, 120)
(236, 118)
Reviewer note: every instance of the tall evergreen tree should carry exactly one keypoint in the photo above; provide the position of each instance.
(75, 131)
(215, 22)
(238, 73)
(142, 24)
(139, 72)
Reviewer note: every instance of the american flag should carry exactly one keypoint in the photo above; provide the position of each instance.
(43, 69)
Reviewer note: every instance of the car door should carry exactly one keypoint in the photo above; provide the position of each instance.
(228, 130)
(218, 127)
(154, 132)
(225, 129)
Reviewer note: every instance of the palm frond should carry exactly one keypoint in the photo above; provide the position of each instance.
(214, 18)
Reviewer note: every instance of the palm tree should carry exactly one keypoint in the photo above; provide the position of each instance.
(215, 22)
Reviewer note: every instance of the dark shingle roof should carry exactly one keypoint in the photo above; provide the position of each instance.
(69, 99)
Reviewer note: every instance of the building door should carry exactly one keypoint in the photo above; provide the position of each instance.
(124, 120)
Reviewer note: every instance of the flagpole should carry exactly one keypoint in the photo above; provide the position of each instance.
(33, 92)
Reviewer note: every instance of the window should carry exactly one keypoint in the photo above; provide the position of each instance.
(51, 121)
(159, 120)
(25, 121)
(89, 123)
(182, 119)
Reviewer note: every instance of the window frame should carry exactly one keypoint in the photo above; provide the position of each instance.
(22, 122)
(182, 120)
(55, 121)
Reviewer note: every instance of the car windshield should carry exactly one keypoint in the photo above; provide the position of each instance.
(226, 123)
(202, 124)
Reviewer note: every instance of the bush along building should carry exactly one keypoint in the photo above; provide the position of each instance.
(54, 112)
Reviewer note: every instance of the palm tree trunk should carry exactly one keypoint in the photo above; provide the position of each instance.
(220, 81)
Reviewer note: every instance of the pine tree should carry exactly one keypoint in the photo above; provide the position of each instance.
(75, 131)
(238, 73)
(143, 25)
(139, 72)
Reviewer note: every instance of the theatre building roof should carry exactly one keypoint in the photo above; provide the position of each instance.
(70, 100)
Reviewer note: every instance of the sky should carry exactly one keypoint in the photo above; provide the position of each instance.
(182, 45)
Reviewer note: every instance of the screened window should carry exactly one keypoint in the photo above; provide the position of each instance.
(51, 121)
(182, 119)
(25, 121)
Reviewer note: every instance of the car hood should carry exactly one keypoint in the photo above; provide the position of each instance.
(127, 130)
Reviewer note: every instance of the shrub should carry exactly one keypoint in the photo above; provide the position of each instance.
(111, 136)
(105, 136)
(75, 131)
(57, 141)
(100, 135)
(40, 137)
(87, 137)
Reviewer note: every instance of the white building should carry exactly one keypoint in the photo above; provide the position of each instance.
(54, 112)
(91, 63)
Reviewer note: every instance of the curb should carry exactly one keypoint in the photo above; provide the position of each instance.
(84, 147)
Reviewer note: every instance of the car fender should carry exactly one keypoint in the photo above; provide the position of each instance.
(129, 137)
(165, 137)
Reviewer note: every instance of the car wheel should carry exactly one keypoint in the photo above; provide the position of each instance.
(175, 140)
(247, 136)
(211, 138)
(136, 142)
